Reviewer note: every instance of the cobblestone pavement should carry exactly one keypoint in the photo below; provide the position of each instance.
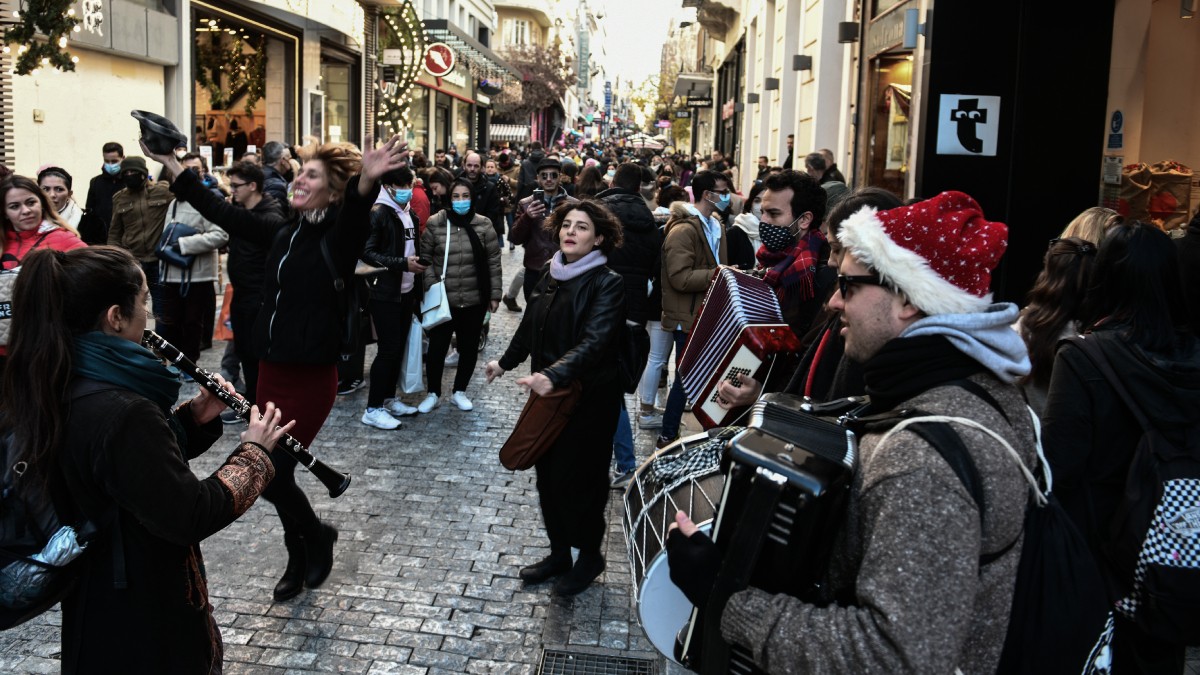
(432, 533)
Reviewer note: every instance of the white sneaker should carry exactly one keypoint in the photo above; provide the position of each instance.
(399, 408)
(452, 359)
(380, 418)
(430, 402)
(460, 399)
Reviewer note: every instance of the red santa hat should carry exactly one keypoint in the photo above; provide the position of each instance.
(940, 252)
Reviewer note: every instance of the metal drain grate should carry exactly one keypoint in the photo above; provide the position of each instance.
(555, 662)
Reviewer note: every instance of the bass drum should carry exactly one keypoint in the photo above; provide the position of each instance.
(684, 476)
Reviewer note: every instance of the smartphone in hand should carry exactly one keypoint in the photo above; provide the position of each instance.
(425, 261)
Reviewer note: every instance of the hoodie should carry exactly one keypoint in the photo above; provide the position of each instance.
(985, 336)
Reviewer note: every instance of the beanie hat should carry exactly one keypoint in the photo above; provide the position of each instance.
(940, 252)
(136, 163)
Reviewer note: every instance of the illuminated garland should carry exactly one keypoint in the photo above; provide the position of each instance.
(406, 32)
(53, 18)
(215, 62)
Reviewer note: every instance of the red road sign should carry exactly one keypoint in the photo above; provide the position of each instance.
(439, 59)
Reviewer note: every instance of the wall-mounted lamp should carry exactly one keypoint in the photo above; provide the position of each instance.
(802, 62)
(771, 83)
(684, 24)
(752, 97)
(847, 32)
(1187, 9)
(913, 27)
(739, 106)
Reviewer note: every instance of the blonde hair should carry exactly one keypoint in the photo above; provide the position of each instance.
(341, 161)
(1092, 224)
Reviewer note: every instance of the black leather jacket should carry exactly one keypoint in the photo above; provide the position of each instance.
(570, 328)
(385, 248)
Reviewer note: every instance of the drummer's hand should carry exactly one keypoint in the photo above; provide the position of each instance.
(537, 383)
(731, 396)
(693, 559)
(492, 370)
(206, 406)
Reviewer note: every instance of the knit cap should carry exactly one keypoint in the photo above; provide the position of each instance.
(136, 163)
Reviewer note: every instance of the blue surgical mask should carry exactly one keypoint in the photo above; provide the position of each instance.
(401, 197)
(461, 207)
(112, 169)
(722, 203)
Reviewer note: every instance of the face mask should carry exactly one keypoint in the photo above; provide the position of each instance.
(112, 169)
(776, 237)
(401, 197)
(179, 154)
(209, 181)
(135, 182)
(461, 207)
(647, 190)
(289, 175)
(722, 203)
(611, 173)
(756, 210)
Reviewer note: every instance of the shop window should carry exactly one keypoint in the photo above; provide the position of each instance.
(888, 151)
(231, 90)
(337, 85)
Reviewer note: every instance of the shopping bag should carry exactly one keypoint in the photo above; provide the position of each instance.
(410, 367)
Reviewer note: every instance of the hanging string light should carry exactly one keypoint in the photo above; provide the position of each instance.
(55, 19)
(404, 33)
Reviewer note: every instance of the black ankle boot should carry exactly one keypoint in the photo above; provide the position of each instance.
(586, 569)
(293, 576)
(319, 548)
(551, 566)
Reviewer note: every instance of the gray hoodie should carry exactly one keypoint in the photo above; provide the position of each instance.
(985, 336)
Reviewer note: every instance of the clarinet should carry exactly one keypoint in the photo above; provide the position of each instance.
(330, 478)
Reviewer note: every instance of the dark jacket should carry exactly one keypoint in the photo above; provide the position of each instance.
(119, 451)
(247, 262)
(529, 233)
(486, 202)
(638, 258)
(385, 248)
(570, 328)
(275, 186)
(1089, 433)
(527, 181)
(299, 321)
(1189, 268)
(97, 213)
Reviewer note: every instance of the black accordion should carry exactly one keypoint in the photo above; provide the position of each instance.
(788, 476)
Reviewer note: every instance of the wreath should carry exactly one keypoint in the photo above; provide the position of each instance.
(53, 18)
(228, 72)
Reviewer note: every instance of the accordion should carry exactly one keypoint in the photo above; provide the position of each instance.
(787, 479)
(739, 332)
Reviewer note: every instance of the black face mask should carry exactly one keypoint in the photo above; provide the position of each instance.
(135, 182)
(289, 175)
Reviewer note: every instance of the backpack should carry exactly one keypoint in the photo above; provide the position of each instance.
(41, 556)
(1153, 546)
(1059, 620)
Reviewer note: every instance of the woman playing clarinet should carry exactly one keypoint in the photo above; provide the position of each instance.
(94, 412)
(298, 328)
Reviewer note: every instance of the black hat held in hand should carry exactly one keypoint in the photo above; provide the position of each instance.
(159, 133)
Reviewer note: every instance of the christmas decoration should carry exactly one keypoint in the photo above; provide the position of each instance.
(55, 19)
(227, 71)
(401, 49)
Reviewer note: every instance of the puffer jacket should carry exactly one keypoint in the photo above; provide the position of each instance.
(906, 559)
(570, 328)
(637, 259)
(687, 267)
(462, 286)
(137, 219)
(203, 245)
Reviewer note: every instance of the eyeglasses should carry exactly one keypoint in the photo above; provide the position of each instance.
(846, 281)
(237, 186)
(547, 176)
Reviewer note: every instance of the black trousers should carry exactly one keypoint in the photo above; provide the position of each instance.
(182, 320)
(242, 316)
(392, 323)
(572, 477)
(1136, 652)
(531, 279)
(466, 323)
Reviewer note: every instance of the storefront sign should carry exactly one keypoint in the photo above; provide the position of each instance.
(888, 30)
(392, 57)
(456, 78)
(663, 124)
(683, 114)
(439, 60)
(698, 102)
(1112, 169)
(968, 125)
(483, 100)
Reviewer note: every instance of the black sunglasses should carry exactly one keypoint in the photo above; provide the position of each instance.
(845, 281)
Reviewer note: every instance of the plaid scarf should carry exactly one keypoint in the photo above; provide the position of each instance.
(791, 271)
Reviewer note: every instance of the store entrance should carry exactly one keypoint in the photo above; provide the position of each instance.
(888, 155)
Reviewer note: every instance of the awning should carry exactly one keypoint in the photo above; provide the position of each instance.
(509, 132)
(698, 85)
(482, 62)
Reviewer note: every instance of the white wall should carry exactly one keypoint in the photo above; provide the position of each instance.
(83, 109)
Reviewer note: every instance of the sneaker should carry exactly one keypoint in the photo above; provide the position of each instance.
(230, 417)
(349, 387)
(460, 399)
(430, 402)
(511, 304)
(452, 359)
(663, 442)
(380, 418)
(621, 480)
(399, 408)
(651, 421)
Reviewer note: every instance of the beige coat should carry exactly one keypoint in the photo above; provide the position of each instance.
(687, 267)
(462, 286)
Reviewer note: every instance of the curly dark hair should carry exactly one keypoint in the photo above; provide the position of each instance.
(1054, 302)
(807, 194)
(606, 223)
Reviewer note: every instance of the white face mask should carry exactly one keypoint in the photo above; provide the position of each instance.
(756, 210)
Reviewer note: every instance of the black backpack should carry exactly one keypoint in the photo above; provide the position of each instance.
(41, 556)
(1153, 546)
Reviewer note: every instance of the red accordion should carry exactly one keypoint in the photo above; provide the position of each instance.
(739, 332)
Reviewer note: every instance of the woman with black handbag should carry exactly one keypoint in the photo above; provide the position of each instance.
(570, 331)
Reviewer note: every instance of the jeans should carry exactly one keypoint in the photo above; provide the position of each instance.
(623, 442)
(392, 322)
(673, 415)
(151, 271)
(517, 284)
(466, 323)
(660, 351)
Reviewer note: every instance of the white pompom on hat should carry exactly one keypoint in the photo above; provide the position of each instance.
(939, 252)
